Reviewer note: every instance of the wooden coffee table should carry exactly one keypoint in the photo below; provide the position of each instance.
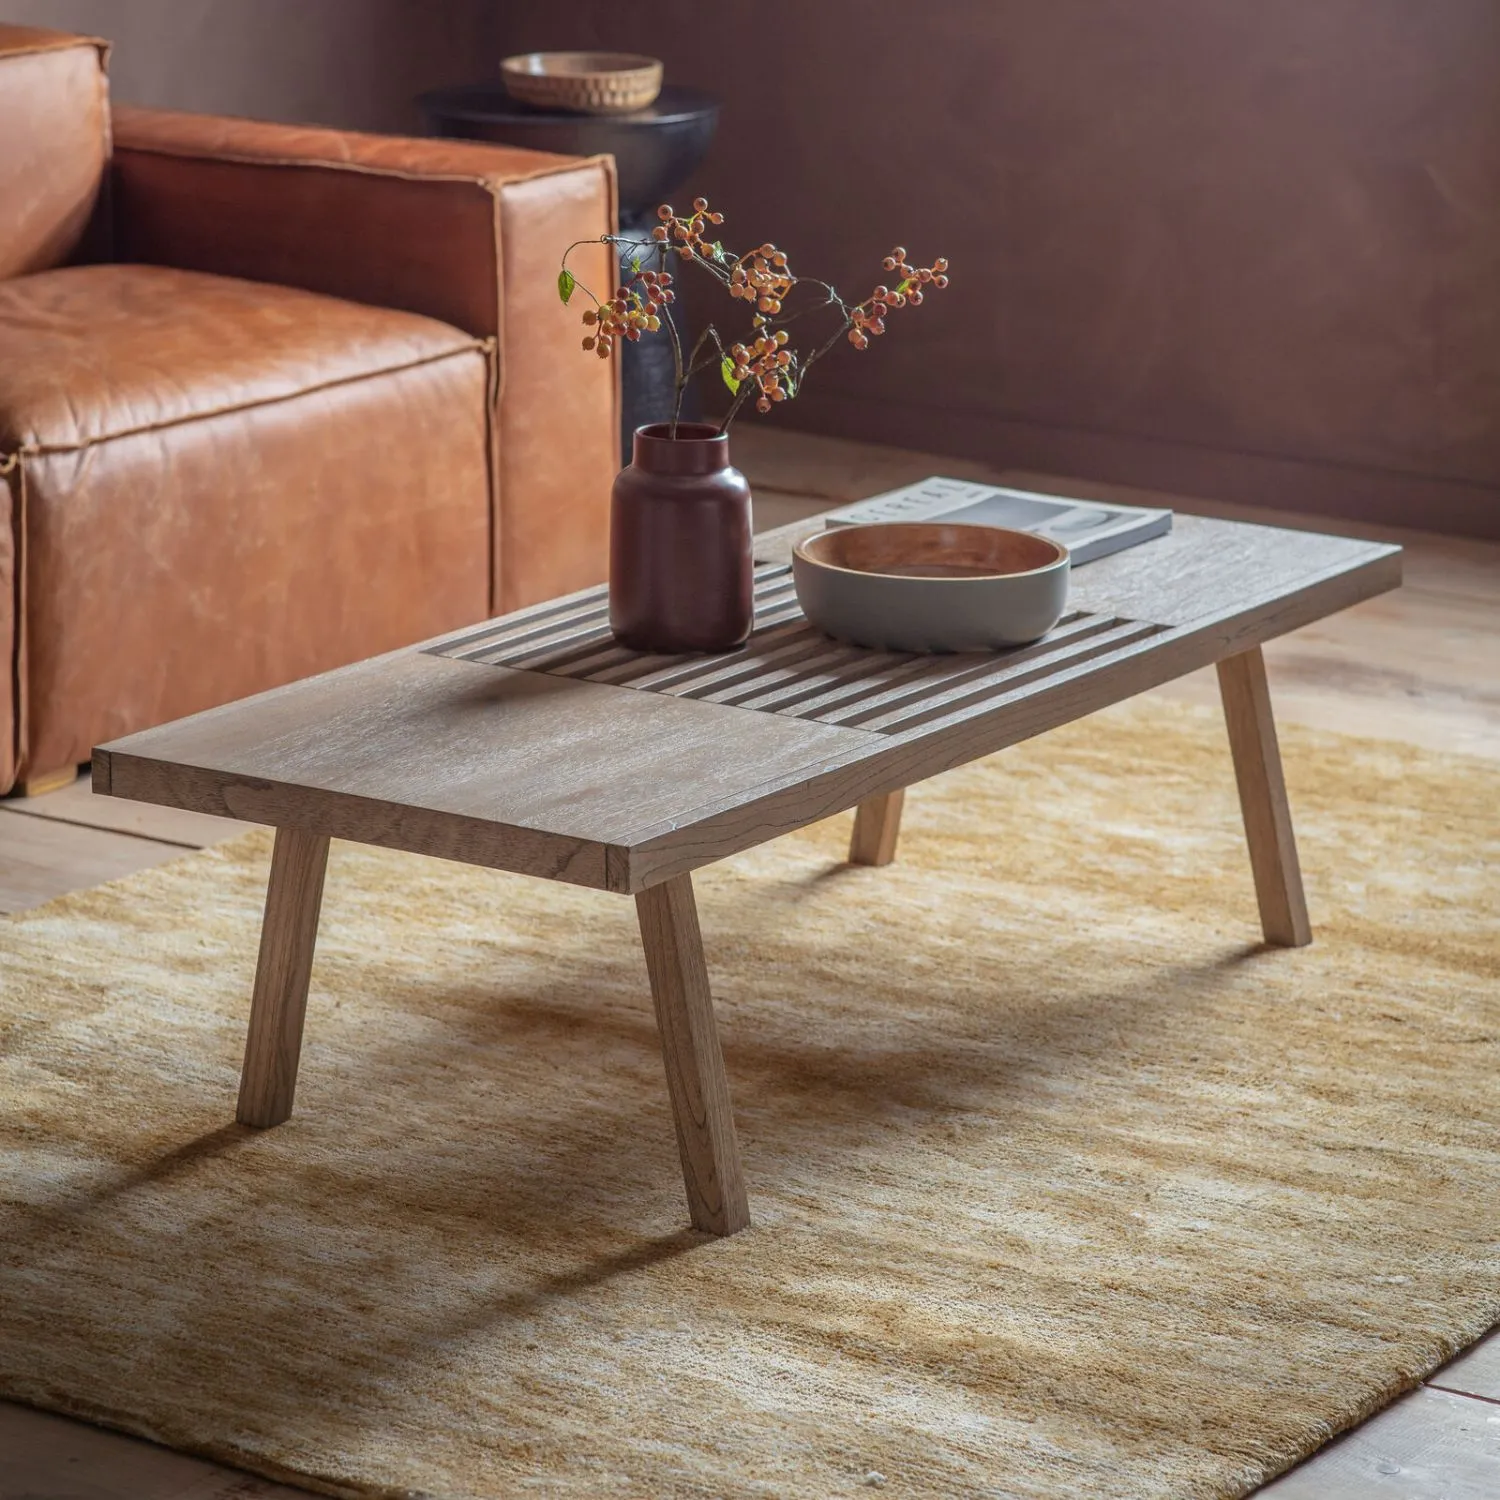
(537, 744)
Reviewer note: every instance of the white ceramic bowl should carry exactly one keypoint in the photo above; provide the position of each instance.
(931, 585)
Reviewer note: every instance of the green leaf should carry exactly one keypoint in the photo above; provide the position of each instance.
(635, 265)
(565, 284)
(717, 250)
(905, 286)
(726, 369)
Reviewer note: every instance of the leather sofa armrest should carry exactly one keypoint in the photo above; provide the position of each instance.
(467, 233)
(405, 223)
(54, 142)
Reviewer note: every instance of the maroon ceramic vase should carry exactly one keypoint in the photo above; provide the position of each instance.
(681, 566)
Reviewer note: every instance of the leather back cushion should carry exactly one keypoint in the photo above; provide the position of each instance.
(54, 140)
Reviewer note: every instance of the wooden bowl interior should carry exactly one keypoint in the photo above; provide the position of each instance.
(931, 549)
(579, 64)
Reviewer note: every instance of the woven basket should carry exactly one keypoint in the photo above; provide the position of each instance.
(593, 83)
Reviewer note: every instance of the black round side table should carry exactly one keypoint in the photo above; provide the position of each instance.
(654, 149)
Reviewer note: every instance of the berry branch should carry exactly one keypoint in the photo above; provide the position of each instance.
(766, 365)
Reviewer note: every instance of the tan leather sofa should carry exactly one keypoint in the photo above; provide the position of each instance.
(271, 399)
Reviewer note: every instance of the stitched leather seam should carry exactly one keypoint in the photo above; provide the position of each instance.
(612, 189)
(500, 368)
(10, 464)
(64, 43)
(492, 465)
(491, 183)
(485, 346)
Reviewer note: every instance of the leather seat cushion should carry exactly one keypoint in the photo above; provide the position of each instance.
(98, 352)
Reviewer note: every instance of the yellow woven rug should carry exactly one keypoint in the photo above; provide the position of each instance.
(1062, 1186)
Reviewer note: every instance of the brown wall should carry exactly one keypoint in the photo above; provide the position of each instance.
(353, 63)
(1249, 250)
(1241, 249)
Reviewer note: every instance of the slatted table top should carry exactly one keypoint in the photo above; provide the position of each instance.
(536, 743)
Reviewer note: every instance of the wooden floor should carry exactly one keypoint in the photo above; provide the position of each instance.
(1418, 666)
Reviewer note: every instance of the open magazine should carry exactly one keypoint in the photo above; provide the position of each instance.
(1089, 529)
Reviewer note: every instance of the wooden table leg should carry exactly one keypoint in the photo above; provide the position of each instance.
(1268, 819)
(695, 1065)
(287, 937)
(877, 825)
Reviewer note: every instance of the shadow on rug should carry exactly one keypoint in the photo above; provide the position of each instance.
(1062, 1185)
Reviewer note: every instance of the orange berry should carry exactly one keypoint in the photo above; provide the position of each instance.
(659, 233)
(665, 211)
(588, 343)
